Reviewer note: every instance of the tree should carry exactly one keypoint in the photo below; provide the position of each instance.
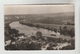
(65, 30)
(55, 30)
(39, 34)
(13, 32)
(60, 30)
(71, 32)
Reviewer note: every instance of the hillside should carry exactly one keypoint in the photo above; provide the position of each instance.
(49, 18)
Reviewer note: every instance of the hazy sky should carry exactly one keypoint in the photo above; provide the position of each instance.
(37, 9)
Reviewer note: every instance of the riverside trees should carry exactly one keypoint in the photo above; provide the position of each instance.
(66, 31)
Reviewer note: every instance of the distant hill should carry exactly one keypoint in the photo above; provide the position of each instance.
(42, 15)
(50, 18)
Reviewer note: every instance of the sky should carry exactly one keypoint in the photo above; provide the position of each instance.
(36, 9)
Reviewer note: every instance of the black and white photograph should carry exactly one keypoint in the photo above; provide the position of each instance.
(39, 27)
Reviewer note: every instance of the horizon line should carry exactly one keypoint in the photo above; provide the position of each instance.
(40, 13)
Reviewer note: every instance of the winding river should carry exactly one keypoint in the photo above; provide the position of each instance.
(28, 31)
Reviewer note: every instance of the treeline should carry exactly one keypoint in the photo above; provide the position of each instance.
(62, 30)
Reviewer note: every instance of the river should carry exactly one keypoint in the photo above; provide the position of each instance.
(28, 31)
